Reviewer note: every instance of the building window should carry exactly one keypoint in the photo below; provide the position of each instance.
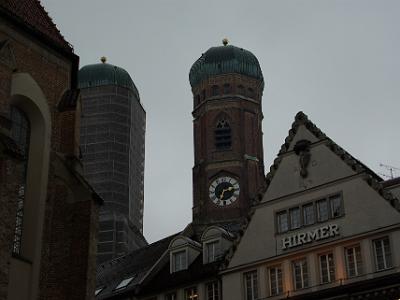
(124, 283)
(241, 90)
(283, 225)
(300, 274)
(275, 280)
(227, 88)
(308, 214)
(191, 293)
(203, 94)
(170, 296)
(250, 93)
(353, 261)
(251, 285)
(215, 90)
(327, 268)
(383, 256)
(211, 251)
(20, 132)
(212, 291)
(295, 218)
(179, 261)
(223, 135)
(336, 206)
(198, 100)
(330, 207)
(323, 210)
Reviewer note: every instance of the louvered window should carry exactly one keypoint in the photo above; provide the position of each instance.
(223, 135)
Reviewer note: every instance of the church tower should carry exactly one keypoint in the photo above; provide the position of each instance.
(227, 85)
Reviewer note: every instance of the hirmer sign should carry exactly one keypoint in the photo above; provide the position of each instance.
(299, 239)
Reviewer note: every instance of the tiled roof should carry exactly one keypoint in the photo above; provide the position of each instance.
(138, 263)
(33, 15)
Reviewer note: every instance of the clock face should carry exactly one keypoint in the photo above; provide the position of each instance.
(224, 190)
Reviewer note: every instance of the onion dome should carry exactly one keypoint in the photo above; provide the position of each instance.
(102, 74)
(224, 60)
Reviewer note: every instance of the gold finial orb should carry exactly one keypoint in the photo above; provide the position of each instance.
(225, 41)
(103, 59)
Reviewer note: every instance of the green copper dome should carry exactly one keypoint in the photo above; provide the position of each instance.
(223, 60)
(105, 74)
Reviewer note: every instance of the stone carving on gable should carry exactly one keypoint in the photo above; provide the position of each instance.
(302, 149)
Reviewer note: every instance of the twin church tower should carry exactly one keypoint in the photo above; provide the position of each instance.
(227, 85)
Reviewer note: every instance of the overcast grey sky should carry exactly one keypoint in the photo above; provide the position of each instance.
(338, 61)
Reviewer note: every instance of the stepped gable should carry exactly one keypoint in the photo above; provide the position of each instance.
(31, 14)
(373, 179)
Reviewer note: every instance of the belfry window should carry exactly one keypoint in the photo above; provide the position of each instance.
(223, 136)
(227, 88)
(20, 132)
(215, 90)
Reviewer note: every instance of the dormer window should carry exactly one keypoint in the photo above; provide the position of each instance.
(211, 251)
(179, 260)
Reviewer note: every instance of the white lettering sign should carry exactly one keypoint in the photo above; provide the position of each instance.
(299, 239)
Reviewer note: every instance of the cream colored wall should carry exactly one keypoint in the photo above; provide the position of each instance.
(324, 167)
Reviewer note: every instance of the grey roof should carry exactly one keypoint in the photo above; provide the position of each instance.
(138, 263)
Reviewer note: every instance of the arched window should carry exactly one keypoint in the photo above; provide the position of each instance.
(227, 88)
(250, 93)
(20, 132)
(241, 90)
(215, 90)
(223, 136)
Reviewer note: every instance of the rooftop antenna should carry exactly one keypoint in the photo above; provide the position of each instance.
(392, 170)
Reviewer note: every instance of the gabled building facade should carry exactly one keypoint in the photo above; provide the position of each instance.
(327, 227)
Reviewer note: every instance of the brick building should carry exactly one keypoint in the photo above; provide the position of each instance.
(48, 216)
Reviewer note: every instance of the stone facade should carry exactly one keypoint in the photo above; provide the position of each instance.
(56, 257)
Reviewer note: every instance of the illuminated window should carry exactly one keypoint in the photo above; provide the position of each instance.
(383, 256)
(20, 132)
(300, 274)
(223, 138)
(251, 285)
(353, 261)
(275, 280)
(212, 291)
(327, 268)
(191, 294)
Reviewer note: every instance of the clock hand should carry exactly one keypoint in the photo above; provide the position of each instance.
(225, 190)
